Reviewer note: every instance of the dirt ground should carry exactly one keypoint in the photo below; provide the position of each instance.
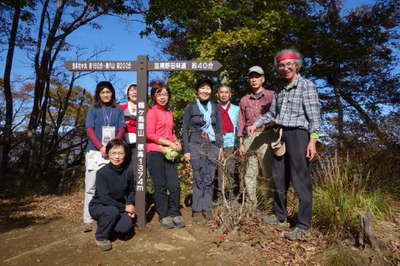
(46, 230)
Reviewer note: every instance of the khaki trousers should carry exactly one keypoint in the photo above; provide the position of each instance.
(258, 156)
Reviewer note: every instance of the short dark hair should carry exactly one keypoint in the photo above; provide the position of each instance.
(99, 87)
(156, 87)
(203, 81)
(117, 142)
(130, 86)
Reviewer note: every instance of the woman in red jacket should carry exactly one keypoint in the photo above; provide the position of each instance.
(130, 113)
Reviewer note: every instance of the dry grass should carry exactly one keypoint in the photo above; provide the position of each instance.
(341, 194)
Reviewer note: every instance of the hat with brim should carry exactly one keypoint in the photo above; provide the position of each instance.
(255, 69)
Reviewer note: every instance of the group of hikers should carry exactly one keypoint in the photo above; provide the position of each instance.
(276, 131)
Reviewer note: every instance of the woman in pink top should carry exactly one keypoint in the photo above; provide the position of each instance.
(160, 135)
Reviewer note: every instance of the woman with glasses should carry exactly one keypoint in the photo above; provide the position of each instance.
(113, 203)
(162, 147)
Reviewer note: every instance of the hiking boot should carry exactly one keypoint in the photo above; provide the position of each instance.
(297, 234)
(208, 215)
(273, 220)
(113, 236)
(198, 217)
(125, 236)
(104, 245)
(178, 221)
(87, 227)
(167, 222)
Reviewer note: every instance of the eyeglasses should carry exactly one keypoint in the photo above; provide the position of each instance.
(114, 153)
(162, 95)
(288, 64)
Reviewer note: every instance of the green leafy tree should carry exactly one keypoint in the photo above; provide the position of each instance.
(354, 57)
(350, 55)
(236, 33)
(239, 34)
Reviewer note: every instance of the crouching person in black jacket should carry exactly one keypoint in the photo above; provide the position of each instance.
(113, 203)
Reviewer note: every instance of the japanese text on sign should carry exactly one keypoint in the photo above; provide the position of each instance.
(100, 65)
(170, 66)
(202, 65)
(185, 65)
(140, 119)
(140, 170)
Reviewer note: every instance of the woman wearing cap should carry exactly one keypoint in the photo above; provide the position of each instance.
(296, 109)
(202, 139)
(104, 122)
(130, 113)
(162, 148)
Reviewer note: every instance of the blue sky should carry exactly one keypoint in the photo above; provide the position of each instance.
(124, 43)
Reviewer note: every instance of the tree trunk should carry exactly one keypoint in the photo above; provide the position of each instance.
(43, 69)
(382, 135)
(7, 91)
(339, 122)
(51, 36)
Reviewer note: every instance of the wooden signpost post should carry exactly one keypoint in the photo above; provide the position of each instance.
(142, 66)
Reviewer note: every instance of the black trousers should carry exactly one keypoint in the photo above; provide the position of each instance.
(294, 167)
(109, 218)
(166, 184)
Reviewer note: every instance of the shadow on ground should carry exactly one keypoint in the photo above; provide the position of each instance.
(20, 213)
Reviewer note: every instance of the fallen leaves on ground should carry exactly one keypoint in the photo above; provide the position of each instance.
(41, 209)
(252, 243)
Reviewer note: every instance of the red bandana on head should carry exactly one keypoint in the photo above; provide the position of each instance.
(286, 56)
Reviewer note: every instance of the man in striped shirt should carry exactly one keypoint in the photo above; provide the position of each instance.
(296, 109)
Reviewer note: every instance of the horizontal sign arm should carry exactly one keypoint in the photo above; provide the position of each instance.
(184, 65)
(100, 65)
(152, 65)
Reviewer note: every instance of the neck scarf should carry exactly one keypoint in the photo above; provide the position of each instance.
(132, 107)
(207, 118)
(227, 125)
